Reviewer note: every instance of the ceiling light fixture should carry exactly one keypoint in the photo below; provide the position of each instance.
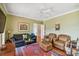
(46, 12)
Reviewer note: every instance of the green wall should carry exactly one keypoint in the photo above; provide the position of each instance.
(69, 24)
(12, 24)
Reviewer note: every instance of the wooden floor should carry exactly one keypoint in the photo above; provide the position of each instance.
(10, 50)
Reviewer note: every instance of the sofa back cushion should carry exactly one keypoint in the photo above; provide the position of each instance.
(46, 41)
(18, 37)
(64, 37)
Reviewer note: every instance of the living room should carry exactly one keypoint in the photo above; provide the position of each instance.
(35, 31)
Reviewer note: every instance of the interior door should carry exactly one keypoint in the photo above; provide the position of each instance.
(39, 31)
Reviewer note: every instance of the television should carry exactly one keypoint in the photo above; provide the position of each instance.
(2, 21)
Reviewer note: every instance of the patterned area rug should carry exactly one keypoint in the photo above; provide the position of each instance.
(34, 50)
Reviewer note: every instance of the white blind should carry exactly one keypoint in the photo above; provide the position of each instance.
(35, 28)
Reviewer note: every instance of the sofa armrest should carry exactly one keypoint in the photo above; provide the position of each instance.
(55, 39)
(67, 42)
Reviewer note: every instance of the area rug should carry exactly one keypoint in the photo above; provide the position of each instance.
(34, 50)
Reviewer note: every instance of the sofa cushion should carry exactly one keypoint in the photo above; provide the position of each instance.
(24, 36)
(45, 42)
(18, 37)
(59, 42)
(63, 38)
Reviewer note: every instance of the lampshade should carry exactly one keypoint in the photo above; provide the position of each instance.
(9, 31)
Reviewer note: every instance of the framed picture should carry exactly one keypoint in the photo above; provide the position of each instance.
(57, 26)
(23, 26)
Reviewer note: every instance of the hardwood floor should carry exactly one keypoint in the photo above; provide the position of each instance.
(10, 50)
(59, 51)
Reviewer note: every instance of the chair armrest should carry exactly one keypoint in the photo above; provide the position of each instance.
(55, 39)
(13, 39)
(67, 42)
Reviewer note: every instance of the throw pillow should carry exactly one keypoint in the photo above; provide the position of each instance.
(24, 37)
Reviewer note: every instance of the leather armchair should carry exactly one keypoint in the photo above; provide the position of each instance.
(61, 41)
(33, 38)
(18, 40)
(46, 45)
(47, 42)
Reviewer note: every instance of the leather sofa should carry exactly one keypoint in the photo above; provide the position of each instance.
(61, 40)
(55, 41)
(23, 39)
(18, 40)
(46, 44)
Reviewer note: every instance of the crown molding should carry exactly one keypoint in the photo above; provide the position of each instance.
(5, 8)
(62, 14)
(49, 18)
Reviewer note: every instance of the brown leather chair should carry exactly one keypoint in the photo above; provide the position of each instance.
(61, 41)
(46, 44)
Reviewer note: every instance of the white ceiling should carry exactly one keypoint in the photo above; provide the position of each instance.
(39, 11)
